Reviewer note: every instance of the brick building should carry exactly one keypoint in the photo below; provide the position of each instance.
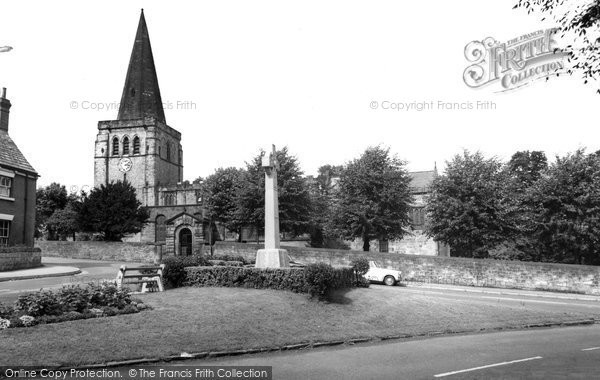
(17, 188)
(141, 148)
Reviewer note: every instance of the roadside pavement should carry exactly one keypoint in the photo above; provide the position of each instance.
(49, 268)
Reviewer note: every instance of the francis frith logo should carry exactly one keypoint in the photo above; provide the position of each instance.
(515, 63)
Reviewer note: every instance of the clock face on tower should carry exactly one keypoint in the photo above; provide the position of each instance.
(125, 164)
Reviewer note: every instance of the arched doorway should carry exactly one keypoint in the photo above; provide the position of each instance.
(185, 242)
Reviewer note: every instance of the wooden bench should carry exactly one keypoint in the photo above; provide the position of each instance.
(151, 274)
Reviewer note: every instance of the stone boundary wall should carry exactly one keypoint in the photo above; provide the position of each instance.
(14, 258)
(99, 250)
(582, 279)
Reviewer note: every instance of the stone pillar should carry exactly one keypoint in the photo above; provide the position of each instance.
(272, 256)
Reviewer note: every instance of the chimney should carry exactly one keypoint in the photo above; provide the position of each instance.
(4, 110)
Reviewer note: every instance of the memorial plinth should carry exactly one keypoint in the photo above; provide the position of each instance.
(272, 256)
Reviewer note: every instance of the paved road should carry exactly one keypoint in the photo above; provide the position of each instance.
(552, 353)
(91, 271)
(544, 301)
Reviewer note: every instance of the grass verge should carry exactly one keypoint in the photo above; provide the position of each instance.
(218, 319)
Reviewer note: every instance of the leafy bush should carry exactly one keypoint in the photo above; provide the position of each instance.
(74, 298)
(299, 280)
(174, 273)
(318, 278)
(69, 303)
(5, 311)
(360, 266)
(39, 303)
(108, 294)
(343, 278)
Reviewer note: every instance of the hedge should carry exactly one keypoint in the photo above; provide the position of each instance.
(318, 280)
(174, 273)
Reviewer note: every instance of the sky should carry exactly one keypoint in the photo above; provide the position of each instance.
(237, 76)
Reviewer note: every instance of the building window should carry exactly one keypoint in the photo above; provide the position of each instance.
(4, 232)
(5, 186)
(170, 198)
(136, 145)
(115, 148)
(384, 246)
(125, 145)
(417, 217)
(168, 151)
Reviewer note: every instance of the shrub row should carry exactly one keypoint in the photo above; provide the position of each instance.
(318, 280)
(68, 303)
(174, 273)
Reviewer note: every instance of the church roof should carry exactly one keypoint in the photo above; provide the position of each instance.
(11, 156)
(141, 94)
(421, 181)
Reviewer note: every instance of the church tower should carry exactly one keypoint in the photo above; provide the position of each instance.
(139, 146)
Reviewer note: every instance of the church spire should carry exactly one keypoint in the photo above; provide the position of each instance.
(141, 94)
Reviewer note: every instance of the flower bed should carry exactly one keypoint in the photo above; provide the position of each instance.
(67, 304)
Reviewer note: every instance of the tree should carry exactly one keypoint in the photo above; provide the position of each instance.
(220, 191)
(568, 220)
(526, 167)
(64, 222)
(49, 199)
(113, 210)
(373, 197)
(466, 208)
(523, 170)
(578, 22)
(322, 189)
(294, 200)
(327, 176)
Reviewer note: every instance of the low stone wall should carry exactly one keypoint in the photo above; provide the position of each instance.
(99, 250)
(451, 270)
(14, 258)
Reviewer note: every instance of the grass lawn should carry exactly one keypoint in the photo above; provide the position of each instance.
(215, 319)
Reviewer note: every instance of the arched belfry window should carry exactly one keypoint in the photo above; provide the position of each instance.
(168, 151)
(115, 146)
(136, 145)
(125, 145)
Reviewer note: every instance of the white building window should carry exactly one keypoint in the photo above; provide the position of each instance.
(5, 186)
(4, 232)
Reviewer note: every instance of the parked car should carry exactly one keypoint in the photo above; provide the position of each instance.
(376, 273)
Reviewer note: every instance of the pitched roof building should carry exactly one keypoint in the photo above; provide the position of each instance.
(17, 187)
